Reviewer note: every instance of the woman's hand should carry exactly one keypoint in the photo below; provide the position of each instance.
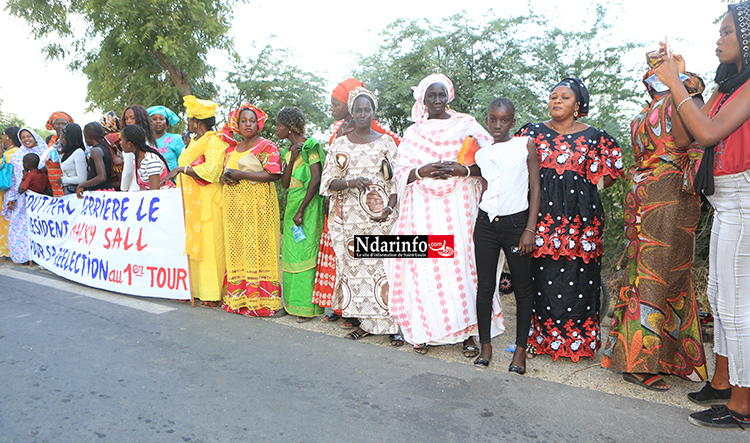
(668, 72)
(229, 178)
(59, 181)
(297, 219)
(295, 151)
(384, 214)
(173, 173)
(527, 245)
(79, 191)
(11, 205)
(361, 183)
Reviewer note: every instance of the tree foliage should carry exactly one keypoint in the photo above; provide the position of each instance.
(9, 119)
(520, 58)
(133, 52)
(271, 83)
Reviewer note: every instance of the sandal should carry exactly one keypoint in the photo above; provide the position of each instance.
(421, 349)
(397, 340)
(356, 335)
(209, 304)
(303, 319)
(330, 318)
(350, 323)
(650, 382)
(470, 351)
(530, 351)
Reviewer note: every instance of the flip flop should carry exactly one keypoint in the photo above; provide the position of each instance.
(303, 319)
(470, 351)
(648, 383)
(354, 335)
(421, 349)
(397, 340)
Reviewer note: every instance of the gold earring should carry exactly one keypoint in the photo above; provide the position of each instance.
(447, 106)
(548, 114)
(575, 114)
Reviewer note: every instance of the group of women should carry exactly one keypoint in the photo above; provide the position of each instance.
(532, 196)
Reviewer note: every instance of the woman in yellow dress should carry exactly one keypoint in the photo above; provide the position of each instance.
(201, 165)
(10, 144)
(251, 217)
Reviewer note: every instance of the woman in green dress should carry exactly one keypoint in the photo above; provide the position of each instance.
(303, 218)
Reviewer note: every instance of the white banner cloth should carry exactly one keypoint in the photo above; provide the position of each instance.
(127, 242)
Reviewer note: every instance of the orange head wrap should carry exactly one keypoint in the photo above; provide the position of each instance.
(341, 92)
(55, 116)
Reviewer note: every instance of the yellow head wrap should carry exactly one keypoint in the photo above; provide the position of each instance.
(200, 109)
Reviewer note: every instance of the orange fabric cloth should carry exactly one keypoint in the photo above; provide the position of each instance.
(55, 115)
(341, 92)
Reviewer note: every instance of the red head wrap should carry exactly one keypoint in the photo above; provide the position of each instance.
(341, 92)
(55, 116)
(232, 125)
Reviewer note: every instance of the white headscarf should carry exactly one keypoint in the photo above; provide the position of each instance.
(40, 143)
(418, 111)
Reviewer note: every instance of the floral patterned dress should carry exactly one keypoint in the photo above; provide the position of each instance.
(567, 263)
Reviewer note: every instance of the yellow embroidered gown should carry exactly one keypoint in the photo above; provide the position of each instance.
(204, 228)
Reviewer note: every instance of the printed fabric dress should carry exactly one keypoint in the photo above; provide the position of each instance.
(299, 259)
(204, 229)
(252, 233)
(18, 236)
(567, 263)
(656, 328)
(434, 299)
(4, 250)
(361, 284)
(170, 146)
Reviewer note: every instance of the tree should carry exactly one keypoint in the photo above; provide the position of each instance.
(495, 59)
(133, 52)
(271, 83)
(9, 119)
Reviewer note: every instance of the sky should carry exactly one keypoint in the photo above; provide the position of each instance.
(326, 35)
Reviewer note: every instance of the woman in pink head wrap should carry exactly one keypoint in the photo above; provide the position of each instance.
(433, 300)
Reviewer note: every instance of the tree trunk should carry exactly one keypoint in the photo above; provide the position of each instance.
(179, 78)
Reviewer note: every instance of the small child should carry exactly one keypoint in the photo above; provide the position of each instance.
(506, 222)
(34, 179)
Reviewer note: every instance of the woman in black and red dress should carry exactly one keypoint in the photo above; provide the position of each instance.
(574, 158)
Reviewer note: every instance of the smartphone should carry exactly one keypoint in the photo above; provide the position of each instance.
(515, 249)
(666, 45)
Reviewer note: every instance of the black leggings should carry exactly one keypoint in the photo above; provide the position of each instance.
(489, 237)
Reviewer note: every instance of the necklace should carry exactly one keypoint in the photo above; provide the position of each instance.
(566, 132)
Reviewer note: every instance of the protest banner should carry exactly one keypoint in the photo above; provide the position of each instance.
(127, 242)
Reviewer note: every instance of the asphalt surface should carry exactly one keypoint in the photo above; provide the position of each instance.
(81, 365)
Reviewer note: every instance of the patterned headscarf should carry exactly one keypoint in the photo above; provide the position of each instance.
(166, 112)
(55, 116)
(342, 91)
(582, 94)
(233, 122)
(40, 143)
(727, 76)
(197, 108)
(110, 122)
(356, 93)
(418, 111)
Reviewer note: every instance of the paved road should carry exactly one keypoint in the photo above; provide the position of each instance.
(78, 365)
